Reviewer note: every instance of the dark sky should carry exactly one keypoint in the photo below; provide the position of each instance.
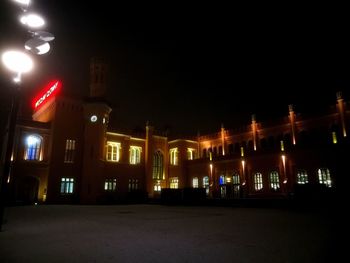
(192, 66)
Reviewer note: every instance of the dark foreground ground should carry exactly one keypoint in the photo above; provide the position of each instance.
(155, 233)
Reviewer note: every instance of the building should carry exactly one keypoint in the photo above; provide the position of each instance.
(66, 154)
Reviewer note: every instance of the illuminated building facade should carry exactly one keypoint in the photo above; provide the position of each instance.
(66, 154)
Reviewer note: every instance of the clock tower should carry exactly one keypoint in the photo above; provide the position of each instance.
(96, 115)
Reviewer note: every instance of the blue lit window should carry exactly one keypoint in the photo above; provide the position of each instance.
(222, 179)
(33, 148)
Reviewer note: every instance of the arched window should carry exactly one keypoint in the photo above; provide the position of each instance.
(215, 151)
(195, 182)
(135, 154)
(220, 150)
(158, 165)
(263, 143)
(302, 177)
(230, 148)
(33, 145)
(113, 151)
(274, 180)
(206, 184)
(237, 147)
(258, 183)
(222, 179)
(235, 178)
(324, 177)
(174, 156)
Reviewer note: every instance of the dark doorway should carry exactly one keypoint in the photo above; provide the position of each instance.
(27, 190)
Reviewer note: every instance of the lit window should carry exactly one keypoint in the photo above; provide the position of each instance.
(33, 148)
(174, 183)
(173, 156)
(222, 179)
(110, 184)
(69, 153)
(190, 153)
(206, 184)
(235, 179)
(258, 183)
(324, 177)
(157, 187)
(158, 166)
(274, 180)
(113, 151)
(302, 177)
(67, 185)
(135, 154)
(195, 182)
(133, 184)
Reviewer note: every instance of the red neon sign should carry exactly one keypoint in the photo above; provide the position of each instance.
(49, 91)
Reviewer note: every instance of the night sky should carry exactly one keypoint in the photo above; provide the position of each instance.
(187, 67)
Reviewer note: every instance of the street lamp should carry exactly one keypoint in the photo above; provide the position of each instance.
(19, 63)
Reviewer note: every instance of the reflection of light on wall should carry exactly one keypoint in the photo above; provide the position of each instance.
(334, 137)
(243, 173)
(284, 168)
(282, 146)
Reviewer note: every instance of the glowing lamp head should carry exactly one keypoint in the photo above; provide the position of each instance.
(32, 20)
(22, 2)
(17, 61)
(40, 50)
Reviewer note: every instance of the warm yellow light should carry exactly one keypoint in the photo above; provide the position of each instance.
(283, 160)
(243, 164)
(334, 137)
(242, 151)
(282, 146)
(228, 180)
(210, 156)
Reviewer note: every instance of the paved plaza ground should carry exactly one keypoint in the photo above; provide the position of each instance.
(156, 233)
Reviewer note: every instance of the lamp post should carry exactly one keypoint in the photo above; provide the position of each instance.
(19, 63)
